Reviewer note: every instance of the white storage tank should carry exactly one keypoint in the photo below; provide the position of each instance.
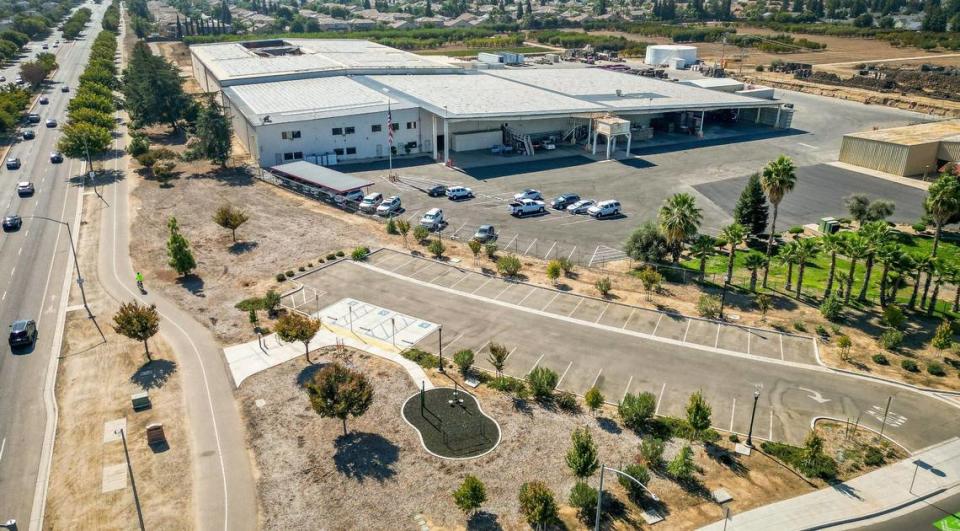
(659, 54)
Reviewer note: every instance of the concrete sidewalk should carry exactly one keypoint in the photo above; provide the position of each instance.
(884, 491)
(247, 359)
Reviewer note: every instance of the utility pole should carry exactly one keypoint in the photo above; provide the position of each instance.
(440, 346)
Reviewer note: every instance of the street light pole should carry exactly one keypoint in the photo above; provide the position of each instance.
(753, 414)
(76, 262)
(723, 297)
(440, 345)
(600, 492)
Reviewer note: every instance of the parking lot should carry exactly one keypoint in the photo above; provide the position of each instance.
(622, 349)
(711, 170)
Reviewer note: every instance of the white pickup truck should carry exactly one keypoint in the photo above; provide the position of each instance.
(525, 207)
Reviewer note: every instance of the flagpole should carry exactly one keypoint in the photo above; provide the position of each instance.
(389, 133)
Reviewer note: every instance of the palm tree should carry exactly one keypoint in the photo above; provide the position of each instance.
(701, 248)
(921, 264)
(733, 234)
(833, 244)
(942, 205)
(888, 255)
(876, 234)
(807, 249)
(754, 262)
(952, 275)
(842, 281)
(679, 219)
(939, 272)
(787, 255)
(856, 249)
(777, 180)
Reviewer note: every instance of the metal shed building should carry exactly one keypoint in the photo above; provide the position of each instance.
(906, 151)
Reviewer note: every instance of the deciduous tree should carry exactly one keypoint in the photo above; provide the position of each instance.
(230, 218)
(296, 327)
(338, 392)
(138, 322)
(582, 457)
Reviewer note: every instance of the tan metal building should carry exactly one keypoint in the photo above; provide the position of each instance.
(911, 150)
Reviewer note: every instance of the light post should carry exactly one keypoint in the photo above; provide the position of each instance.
(753, 414)
(600, 492)
(76, 262)
(393, 333)
(440, 346)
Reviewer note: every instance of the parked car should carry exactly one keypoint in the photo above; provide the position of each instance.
(28, 134)
(433, 219)
(389, 206)
(44, 100)
(56, 157)
(51, 122)
(354, 196)
(526, 207)
(12, 222)
(33, 118)
(13, 163)
(370, 202)
(581, 206)
(484, 234)
(529, 193)
(25, 188)
(459, 192)
(563, 201)
(23, 332)
(604, 209)
(437, 191)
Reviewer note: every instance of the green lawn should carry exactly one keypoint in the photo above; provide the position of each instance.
(469, 52)
(817, 270)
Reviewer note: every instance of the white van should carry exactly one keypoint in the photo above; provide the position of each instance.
(603, 209)
(433, 219)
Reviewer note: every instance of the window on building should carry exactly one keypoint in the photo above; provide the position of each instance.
(337, 131)
(351, 151)
(295, 155)
(396, 126)
(411, 125)
(376, 128)
(338, 151)
(349, 130)
(290, 135)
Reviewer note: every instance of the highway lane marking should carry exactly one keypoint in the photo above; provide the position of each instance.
(535, 364)
(563, 375)
(733, 411)
(627, 388)
(660, 399)
(2, 446)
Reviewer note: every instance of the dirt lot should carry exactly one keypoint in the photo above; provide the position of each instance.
(97, 375)
(311, 473)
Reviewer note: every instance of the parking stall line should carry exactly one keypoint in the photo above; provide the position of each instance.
(451, 342)
(432, 280)
(687, 330)
(586, 220)
(530, 246)
(660, 398)
(483, 346)
(507, 246)
(579, 302)
(415, 212)
(733, 411)
(509, 354)
(601, 313)
(465, 275)
(454, 235)
(535, 364)
(570, 256)
(550, 250)
(532, 289)
(557, 294)
(625, 323)
(627, 388)
(481, 285)
(749, 336)
(595, 380)
(504, 290)
(781, 346)
(657, 325)
(590, 263)
(560, 381)
(403, 264)
(716, 342)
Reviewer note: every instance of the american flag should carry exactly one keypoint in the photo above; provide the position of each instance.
(389, 127)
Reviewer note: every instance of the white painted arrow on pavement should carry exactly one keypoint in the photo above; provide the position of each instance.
(815, 395)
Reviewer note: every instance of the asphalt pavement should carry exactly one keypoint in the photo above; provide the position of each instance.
(33, 263)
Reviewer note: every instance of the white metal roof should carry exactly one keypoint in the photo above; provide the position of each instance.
(304, 99)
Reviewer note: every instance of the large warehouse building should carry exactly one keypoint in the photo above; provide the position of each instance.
(327, 101)
(906, 151)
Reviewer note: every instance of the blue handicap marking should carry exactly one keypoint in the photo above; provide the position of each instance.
(424, 324)
(383, 312)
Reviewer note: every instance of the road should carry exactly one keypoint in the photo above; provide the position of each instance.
(921, 516)
(33, 264)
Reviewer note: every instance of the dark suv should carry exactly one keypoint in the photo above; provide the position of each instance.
(23, 332)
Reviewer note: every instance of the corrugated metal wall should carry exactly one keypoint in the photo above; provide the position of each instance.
(881, 156)
(949, 150)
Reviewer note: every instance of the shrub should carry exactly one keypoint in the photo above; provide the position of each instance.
(800, 326)
(709, 306)
(651, 451)
(420, 233)
(873, 456)
(421, 358)
(309, 264)
(760, 68)
(919, 226)
(509, 265)
(880, 359)
(910, 365)
(582, 458)
(734, 438)
(832, 308)
(506, 384)
(490, 250)
(936, 369)
(537, 504)
(566, 265)
(890, 339)
(554, 270)
(682, 466)
(139, 144)
(289, 273)
(339, 254)
(392, 227)
(281, 277)
(593, 398)
(301, 268)
(331, 256)
(359, 254)
(542, 382)
(640, 473)
(583, 498)
(795, 230)
(603, 285)
(822, 331)
(567, 401)
(636, 410)
(436, 248)
(464, 361)
(894, 317)
(470, 495)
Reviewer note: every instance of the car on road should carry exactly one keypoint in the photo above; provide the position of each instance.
(33, 118)
(28, 134)
(529, 193)
(525, 207)
(563, 201)
(23, 332)
(25, 188)
(51, 122)
(437, 191)
(581, 206)
(459, 192)
(13, 163)
(56, 157)
(46, 46)
(19, 80)
(484, 234)
(389, 206)
(3, 79)
(432, 219)
(604, 209)
(65, 88)
(44, 100)
(12, 222)
(370, 202)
